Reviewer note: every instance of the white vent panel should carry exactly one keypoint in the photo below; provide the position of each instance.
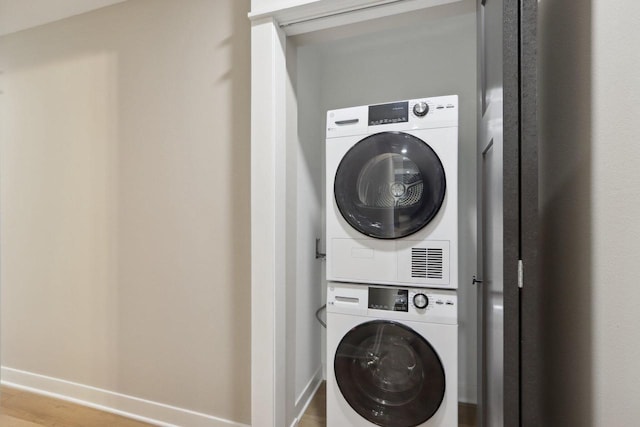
(419, 262)
(425, 263)
(434, 263)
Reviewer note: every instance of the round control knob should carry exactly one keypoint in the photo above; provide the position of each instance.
(420, 109)
(420, 301)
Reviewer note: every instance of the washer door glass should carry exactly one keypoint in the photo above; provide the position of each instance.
(389, 374)
(389, 185)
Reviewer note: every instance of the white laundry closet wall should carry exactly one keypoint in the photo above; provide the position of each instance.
(428, 53)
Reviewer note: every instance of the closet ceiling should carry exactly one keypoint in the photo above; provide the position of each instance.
(17, 15)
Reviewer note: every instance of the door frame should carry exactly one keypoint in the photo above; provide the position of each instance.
(531, 369)
(269, 80)
(522, 333)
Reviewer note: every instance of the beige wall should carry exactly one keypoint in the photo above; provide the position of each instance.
(590, 204)
(124, 167)
(616, 211)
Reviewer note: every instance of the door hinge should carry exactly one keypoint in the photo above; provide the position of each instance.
(520, 274)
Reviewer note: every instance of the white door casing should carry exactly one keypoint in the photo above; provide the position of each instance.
(269, 79)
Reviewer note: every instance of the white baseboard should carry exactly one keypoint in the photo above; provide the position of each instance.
(132, 407)
(303, 401)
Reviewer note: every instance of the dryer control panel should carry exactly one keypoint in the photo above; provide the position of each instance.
(419, 113)
(384, 114)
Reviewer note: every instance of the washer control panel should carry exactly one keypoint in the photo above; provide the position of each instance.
(390, 299)
(420, 304)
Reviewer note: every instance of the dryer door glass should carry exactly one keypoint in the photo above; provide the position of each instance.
(389, 374)
(389, 185)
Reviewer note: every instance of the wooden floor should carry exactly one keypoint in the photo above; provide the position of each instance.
(22, 409)
(316, 415)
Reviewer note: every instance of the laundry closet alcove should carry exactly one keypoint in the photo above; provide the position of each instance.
(309, 57)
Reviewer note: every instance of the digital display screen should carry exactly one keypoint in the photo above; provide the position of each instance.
(396, 112)
(389, 299)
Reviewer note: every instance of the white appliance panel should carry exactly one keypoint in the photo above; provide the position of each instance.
(348, 307)
(355, 257)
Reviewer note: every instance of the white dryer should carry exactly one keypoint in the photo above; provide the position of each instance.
(392, 193)
(392, 356)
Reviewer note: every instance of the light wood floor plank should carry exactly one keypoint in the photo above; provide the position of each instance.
(7, 421)
(22, 409)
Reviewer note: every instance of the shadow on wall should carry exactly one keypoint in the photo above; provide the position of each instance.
(240, 46)
(565, 208)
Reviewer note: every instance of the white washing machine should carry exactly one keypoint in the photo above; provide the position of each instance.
(392, 193)
(392, 356)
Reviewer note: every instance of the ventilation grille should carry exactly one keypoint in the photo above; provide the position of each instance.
(426, 263)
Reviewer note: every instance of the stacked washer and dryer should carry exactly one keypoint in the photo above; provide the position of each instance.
(392, 264)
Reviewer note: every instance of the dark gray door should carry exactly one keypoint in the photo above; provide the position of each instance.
(508, 311)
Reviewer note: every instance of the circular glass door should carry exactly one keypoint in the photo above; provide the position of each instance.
(389, 185)
(389, 374)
